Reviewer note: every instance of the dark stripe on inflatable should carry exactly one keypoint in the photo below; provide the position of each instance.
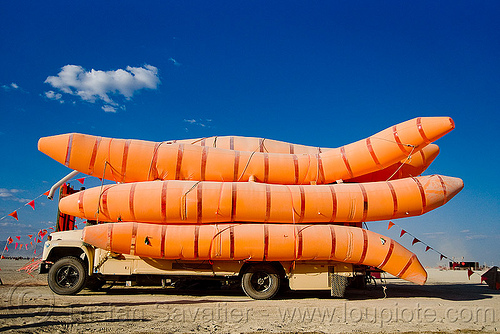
(233, 200)
(422, 194)
(180, 152)
(398, 140)
(268, 203)
(131, 200)
(68, 150)
(394, 198)
(421, 131)
(346, 162)
(124, 159)
(199, 206)
(334, 204)
(334, 241)
(164, 201)
(94, 155)
(388, 256)
(365, 202)
(372, 152)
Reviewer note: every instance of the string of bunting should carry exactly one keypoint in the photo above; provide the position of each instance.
(38, 236)
(14, 214)
(416, 240)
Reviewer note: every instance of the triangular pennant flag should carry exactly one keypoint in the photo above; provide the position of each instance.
(6, 249)
(402, 233)
(427, 248)
(46, 193)
(32, 204)
(81, 180)
(38, 241)
(42, 233)
(415, 240)
(391, 224)
(51, 228)
(15, 247)
(441, 256)
(18, 238)
(14, 214)
(21, 246)
(469, 273)
(26, 246)
(10, 240)
(30, 235)
(76, 227)
(3, 257)
(31, 242)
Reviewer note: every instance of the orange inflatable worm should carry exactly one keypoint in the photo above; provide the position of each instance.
(190, 202)
(258, 242)
(411, 166)
(135, 160)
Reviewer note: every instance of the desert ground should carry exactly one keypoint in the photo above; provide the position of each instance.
(448, 303)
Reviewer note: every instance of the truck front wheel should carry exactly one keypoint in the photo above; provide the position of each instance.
(67, 276)
(260, 281)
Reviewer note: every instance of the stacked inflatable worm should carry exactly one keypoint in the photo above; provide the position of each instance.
(240, 198)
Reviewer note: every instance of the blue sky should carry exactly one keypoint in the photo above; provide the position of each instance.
(322, 73)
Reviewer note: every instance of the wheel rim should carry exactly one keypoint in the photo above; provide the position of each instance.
(261, 281)
(67, 277)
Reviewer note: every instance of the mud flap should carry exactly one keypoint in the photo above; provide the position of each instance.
(338, 283)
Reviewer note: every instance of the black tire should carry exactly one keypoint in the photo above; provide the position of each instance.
(261, 281)
(67, 276)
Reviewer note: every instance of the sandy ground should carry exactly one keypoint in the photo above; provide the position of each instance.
(448, 303)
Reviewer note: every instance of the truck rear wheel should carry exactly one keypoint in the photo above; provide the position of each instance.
(261, 281)
(67, 276)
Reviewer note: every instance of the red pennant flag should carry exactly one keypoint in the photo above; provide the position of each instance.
(26, 246)
(42, 233)
(76, 227)
(3, 257)
(38, 241)
(469, 273)
(402, 233)
(32, 204)
(14, 214)
(21, 246)
(30, 235)
(391, 224)
(427, 248)
(81, 180)
(6, 249)
(46, 193)
(9, 240)
(31, 242)
(15, 247)
(18, 238)
(415, 240)
(51, 228)
(441, 257)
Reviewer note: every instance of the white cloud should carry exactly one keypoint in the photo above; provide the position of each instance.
(97, 85)
(10, 194)
(108, 108)
(476, 237)
(176, 63)
(54, 96)
(204, 123)
(12, 85)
